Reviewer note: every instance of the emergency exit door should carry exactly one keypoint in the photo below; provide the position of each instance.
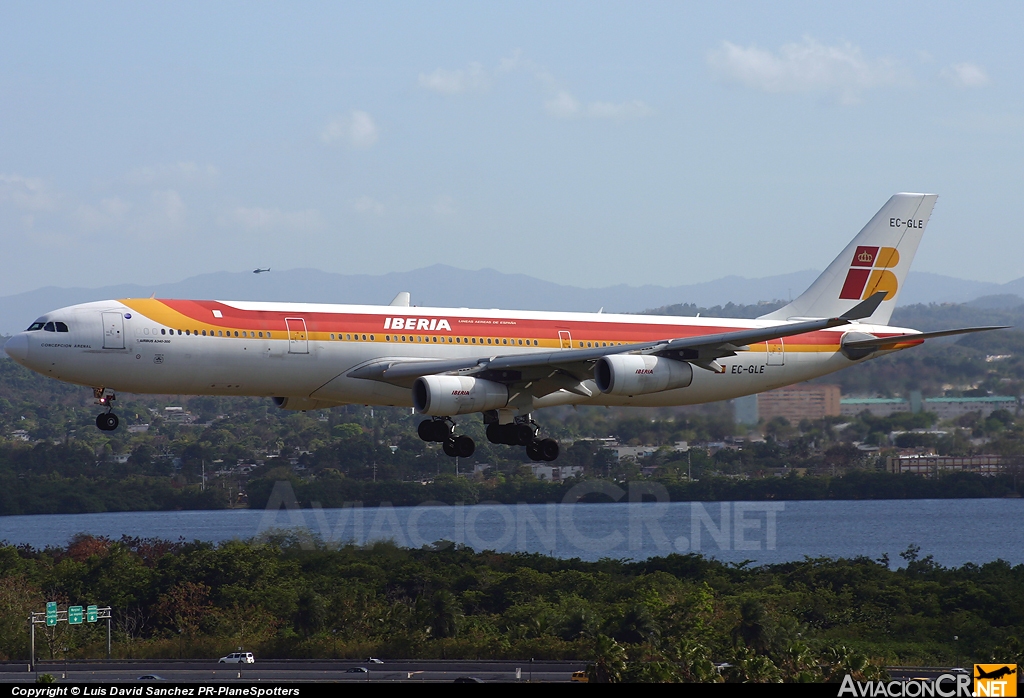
(298, 342)
(113, 331)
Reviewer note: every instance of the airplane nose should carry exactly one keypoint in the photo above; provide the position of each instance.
(17, 348)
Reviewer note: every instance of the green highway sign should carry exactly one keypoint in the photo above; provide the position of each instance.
(51, 613)
(91, 614)
(74, 615)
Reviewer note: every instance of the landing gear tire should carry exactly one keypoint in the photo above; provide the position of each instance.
(533, 451)
(548, 449)
(449, 448)
(107, 421)
(435, 430)
(515, 434)
(464, 446)
(459, 447)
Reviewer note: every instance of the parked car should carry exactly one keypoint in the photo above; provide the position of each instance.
(237, 658)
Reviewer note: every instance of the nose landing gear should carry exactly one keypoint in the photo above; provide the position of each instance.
(442, 430)
(106, 421)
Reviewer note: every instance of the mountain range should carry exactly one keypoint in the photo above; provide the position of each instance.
(445, 286)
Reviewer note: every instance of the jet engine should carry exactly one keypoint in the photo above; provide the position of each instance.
(443, 396)
(630, 374)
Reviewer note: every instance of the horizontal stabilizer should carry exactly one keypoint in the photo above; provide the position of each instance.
(879, 342)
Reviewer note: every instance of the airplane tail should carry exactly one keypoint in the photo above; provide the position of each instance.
(876, 260)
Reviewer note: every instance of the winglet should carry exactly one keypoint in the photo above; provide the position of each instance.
(864, 308)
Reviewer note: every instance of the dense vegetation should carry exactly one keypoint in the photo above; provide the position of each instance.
(662, 618)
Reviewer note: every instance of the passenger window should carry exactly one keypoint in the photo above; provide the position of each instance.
(204, 333)
(261, 334)
(186, 332)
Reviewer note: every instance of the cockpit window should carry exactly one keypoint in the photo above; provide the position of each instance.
(61, 327)
(37, 325)
(49, 327)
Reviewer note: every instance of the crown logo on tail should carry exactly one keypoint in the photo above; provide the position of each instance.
(865, 257)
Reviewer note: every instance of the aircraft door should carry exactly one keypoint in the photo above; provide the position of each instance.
(298, 342)
(564, 339)
(113, 331)
(777, 352)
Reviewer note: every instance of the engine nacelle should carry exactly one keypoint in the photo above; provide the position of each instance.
(443, 396)
(630, 374)
(301, 404)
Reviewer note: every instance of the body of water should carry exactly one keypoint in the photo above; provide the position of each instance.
(953, 531)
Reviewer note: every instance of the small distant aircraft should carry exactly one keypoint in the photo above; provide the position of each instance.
(260, 271)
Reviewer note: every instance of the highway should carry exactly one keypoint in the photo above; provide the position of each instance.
(196, 671)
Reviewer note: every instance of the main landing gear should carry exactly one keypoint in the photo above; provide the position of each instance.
(442, 430)
(523, 432)
(107, 421)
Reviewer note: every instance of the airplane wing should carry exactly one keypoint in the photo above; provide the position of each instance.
(567, 368)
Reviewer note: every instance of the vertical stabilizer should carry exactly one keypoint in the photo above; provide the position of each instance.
(876, 260)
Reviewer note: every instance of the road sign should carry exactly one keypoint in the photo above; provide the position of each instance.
(91, 614)
(51, 613)
(74, 615)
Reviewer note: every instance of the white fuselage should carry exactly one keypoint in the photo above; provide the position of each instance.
(305, 351)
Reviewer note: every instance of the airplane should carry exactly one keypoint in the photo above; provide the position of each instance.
(257, 270)
(505, 365)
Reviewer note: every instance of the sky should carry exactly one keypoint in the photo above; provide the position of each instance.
(587, 143)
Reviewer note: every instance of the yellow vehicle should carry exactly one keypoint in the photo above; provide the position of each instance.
(579, 677)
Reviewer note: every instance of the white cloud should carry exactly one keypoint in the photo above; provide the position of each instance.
(357, 130)
(808, 66)
(966, 75)
(168, 206)
(179, 173)
(257, 218)
(366, 204)
(29, 193)
(104, 215)
(560, 103)
(451, 82)
(564, 106)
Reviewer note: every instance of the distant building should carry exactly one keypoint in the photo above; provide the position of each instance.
(932, 466)
(876, 406)
(555, 473)
(953, 407)
(942, 407)
(799, 402)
